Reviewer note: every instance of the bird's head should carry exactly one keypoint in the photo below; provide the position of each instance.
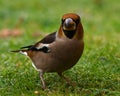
(71, 25)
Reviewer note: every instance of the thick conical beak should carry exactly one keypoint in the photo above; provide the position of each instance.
(69, 24)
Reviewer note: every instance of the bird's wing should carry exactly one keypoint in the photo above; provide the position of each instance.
(49, 38)
(42, 45)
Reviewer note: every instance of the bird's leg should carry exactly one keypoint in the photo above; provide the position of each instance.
(42, 80)
(62, 76)
(67, 79)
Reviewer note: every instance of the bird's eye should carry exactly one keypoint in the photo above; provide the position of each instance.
(63, 20)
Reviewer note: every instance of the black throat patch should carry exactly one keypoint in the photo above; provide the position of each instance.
(69, 34)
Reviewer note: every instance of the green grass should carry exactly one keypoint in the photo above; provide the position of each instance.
(98, 71)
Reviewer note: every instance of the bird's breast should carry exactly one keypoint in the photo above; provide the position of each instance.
(63, 55)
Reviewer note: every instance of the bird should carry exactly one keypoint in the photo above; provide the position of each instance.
(58, 51)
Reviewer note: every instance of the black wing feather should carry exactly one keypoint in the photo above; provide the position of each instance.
(47, 40)
(26, 47)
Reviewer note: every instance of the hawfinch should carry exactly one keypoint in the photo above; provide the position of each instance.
(57, 51)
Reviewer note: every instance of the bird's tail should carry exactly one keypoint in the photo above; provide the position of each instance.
(16, 51)
(20, 51)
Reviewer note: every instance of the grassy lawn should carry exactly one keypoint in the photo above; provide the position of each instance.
(98, 71)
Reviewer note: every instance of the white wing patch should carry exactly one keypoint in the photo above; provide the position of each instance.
(41, 45)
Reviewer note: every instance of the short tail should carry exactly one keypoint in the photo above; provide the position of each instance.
(20, 51)
(16, 51)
